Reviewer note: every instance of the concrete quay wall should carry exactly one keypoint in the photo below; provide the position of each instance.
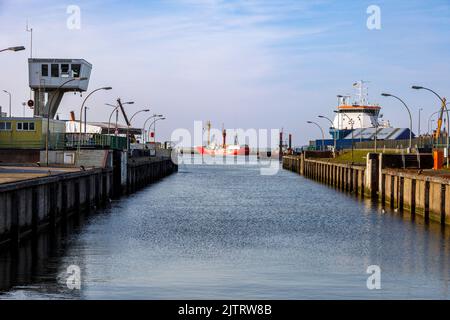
(401, 190)
(27, 207)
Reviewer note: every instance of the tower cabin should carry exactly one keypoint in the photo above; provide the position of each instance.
(50, 79)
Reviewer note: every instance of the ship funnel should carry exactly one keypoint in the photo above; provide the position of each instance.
(72, 116)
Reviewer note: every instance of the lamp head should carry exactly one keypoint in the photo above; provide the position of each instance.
(416, 87)
(106, 88)
(309, 122)
(15, 49)
(386, 94)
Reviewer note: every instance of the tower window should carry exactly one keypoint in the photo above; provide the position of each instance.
(44, 70)
(65, 70)
(76, 70)
(55, 70)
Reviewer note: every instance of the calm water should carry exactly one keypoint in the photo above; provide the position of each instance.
(211, 232)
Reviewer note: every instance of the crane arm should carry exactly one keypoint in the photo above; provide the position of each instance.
(439, 122)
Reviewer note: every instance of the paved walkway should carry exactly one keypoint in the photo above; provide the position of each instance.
(10, 174)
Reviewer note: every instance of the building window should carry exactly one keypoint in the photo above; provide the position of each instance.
(25, 126)
(76, 70)
(44, 70)
(5, 126)
(55, 70)
(65, 70)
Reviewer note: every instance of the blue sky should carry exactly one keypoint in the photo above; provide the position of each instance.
(248, 64)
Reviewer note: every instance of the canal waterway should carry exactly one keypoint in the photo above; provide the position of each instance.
(228, 232)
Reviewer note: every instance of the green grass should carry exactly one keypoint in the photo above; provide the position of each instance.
(359, 157)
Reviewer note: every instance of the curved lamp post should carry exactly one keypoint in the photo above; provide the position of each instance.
(418, 123)
(81, 115)
(9, 94)
(429, 120)
(444, 107)
(48, 112)
(153, 123)
(332, 126)
(321, 130)
(149, 118)
(128, 126)
(410, 116)
(351, 122)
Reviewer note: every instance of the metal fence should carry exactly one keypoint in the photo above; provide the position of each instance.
(420, 142)
(61, 141)
(95, 141)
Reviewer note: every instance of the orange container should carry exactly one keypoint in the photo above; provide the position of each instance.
(438, 157)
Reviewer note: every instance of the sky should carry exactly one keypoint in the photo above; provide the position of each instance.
(261, 64)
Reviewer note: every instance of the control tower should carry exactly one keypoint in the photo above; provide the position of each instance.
(48, 77)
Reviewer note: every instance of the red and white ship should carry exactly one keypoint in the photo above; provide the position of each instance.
(224, 149)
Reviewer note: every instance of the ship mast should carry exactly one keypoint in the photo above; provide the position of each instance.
(224, 135)
(362, 92)
(208, 127)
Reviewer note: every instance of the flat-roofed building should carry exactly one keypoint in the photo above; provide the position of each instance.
(48, 78)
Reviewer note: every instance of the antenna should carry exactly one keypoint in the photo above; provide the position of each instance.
(30, 30)
(27, 29)
(362, 92)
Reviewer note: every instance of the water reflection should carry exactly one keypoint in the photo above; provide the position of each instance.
(214, 231)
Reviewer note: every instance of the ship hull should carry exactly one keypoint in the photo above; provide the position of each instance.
(224, 152)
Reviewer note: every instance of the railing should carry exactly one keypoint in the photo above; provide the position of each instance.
(61, 141)
(95, 141)
(420, 142)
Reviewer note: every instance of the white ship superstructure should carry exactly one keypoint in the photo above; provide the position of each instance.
(359, 114)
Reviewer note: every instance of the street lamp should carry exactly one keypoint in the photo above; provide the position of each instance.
(15, 49)
(360, 126)
(154, 128)
(81, 115)
(321, 130)
(48, 112)
(332, 126)
(149, 118)
(9, 94)
(129, 123)
(351, 122)
(116, 109)
(410, 117)
(444, 107)
(143, 110)
(85, 118)
(418, 128)
(84, 101)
